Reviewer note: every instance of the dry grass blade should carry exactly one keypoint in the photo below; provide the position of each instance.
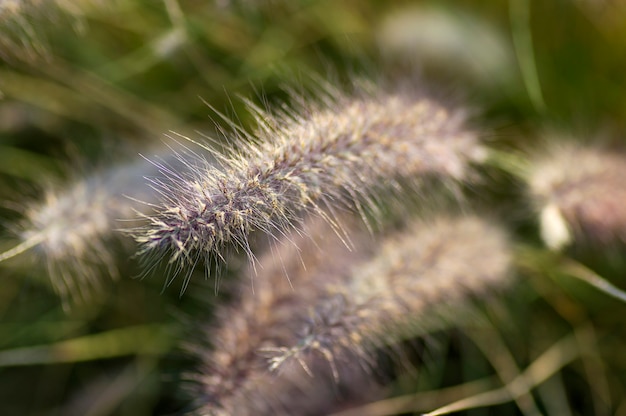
(546, 365)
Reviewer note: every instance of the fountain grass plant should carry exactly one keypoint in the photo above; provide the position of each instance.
(346, 208)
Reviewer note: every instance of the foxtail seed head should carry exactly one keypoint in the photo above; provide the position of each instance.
(317, 158)
(73, 225)
(289, 349)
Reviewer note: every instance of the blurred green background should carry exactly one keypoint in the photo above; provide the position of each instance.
(86, 82)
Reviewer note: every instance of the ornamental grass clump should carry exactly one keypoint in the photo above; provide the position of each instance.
(339, 152)
(345, 227)
(304, 339)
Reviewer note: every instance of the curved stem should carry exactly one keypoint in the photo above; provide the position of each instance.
(21, 247)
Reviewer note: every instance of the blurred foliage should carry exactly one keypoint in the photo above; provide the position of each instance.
(83, 83)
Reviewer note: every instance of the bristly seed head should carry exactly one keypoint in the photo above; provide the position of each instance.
(313, 323)
(317, 158)
(73, 225)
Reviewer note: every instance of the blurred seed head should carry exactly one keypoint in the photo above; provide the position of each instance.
(580, 192)
(74, 226)
(449, 39)
(234, 376)
(410, 280)
(338, 152)
(304, 340)
(70, 225)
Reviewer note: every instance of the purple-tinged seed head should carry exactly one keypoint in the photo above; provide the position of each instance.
(319, 311)
(313, 159)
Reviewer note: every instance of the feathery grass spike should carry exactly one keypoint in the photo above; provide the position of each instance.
(320, 157)
(292, 344)
(72, 226)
